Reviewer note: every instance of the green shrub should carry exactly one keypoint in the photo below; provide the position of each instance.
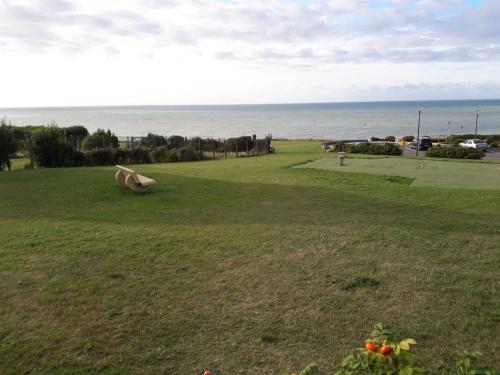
(8, 145)
(152, 141)
(75, 135)
(455, 153)
(51, 150)
(77, 130)
(241, 142)
(176, 141)
(100, 139)
(369, 148)
(113, 156)
(385, 354)
(164, 155)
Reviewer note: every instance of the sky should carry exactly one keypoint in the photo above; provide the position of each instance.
(154, 52)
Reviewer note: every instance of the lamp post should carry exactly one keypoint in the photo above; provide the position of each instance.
(477, 118)
(418, 128)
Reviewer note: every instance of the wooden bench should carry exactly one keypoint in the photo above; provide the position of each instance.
(135, 182)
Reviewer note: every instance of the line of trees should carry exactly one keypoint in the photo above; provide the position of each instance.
(52, 146)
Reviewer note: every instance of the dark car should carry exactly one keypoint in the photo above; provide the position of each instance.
(425, 143)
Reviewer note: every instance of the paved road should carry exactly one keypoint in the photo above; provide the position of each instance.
(492, 155)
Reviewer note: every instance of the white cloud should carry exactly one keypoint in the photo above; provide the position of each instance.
(203, 44)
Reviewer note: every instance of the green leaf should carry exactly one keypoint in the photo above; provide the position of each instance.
(311, 369)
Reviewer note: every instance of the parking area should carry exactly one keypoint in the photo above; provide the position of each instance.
(492, 155)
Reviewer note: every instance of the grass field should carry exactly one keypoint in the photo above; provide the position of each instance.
(423, 172)
(246, 266)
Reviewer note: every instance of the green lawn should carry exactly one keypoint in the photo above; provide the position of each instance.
(423, 172)
(238, 265)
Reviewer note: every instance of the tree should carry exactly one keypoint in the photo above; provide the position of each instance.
(176, 141)
(76, 134)
(8, 145)
(153, 140)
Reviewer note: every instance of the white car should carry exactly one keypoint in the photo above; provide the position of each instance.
(475, 143)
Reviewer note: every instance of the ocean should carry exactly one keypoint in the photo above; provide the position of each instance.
(293, 121)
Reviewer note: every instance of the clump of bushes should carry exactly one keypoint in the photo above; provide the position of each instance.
(52, 146)
(8, 145)
(75, 135)
(100, 139)
(455, 152)
(164, 155)
(370, 148)
(388, 138)
(51, 149)
(113, 156)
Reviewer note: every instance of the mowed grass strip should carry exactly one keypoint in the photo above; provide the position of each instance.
(424, 172)
(241, 265)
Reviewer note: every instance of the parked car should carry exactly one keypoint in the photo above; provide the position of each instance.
(425, 143)
(475, 143)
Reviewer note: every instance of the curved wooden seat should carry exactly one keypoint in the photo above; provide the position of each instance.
(135, 182)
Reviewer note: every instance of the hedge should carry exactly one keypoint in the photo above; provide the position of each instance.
(370, 148)
(454, 153)
(164, 155)
(114, 156)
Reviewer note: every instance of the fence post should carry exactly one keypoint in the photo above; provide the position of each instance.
(247, 145)
(236, 147)
(225, 151)
(213, 149)
(166, 143)
(199, 146)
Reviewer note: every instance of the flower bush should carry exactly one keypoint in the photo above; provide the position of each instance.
(384, 354)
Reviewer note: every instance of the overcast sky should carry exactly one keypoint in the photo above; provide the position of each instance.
(107, 52)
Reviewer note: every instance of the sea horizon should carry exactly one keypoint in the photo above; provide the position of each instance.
(321, 120)
(423, 101)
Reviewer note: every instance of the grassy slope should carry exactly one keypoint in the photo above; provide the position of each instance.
(223, 253)
(426, 172)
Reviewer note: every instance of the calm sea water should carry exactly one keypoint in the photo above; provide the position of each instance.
(325, 120)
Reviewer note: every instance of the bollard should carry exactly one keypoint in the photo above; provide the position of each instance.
(341, 156)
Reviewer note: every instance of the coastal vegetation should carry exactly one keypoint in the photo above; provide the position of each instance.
(52, 146)
(369, 148)
(8, 146)
(242, 265)
(454, 152)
